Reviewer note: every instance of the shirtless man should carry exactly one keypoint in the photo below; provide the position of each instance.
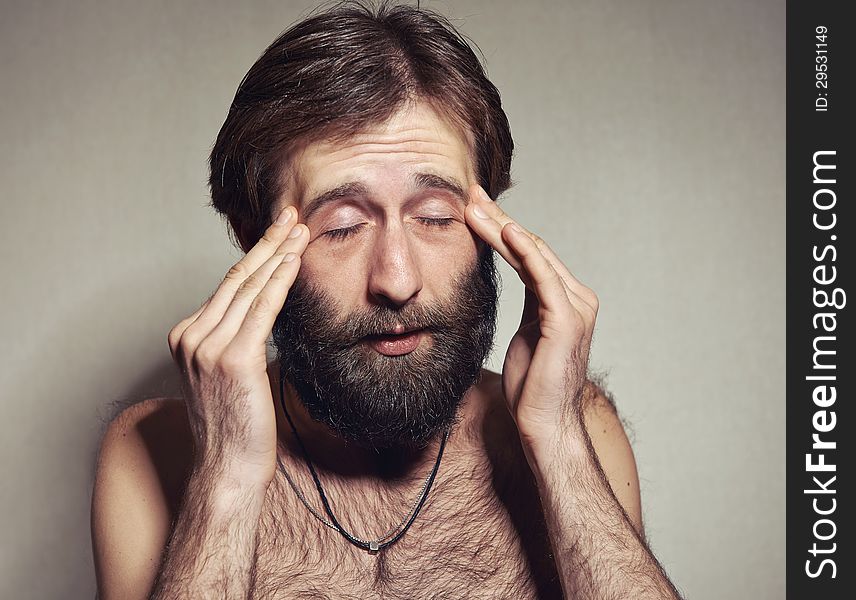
(374, 457)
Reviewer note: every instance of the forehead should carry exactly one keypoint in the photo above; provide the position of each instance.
(416, 139)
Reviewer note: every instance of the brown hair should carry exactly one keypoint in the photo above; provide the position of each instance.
(332, 75)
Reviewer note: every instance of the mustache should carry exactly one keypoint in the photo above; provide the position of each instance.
(438, 318)
(383, 320)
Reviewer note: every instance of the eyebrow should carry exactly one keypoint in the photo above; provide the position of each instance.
(429, 181)
(422, 181)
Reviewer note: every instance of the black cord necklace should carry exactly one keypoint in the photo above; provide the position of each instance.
(372, 546)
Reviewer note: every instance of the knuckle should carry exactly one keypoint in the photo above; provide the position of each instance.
(269, 238)
(236, 272)
(260, 305)
(190, 338)
(172, 339)
(233, 362)
(180, 327)
(206, 356)
(176, 331)
(251, 285)
(183, 349)
(591, 298)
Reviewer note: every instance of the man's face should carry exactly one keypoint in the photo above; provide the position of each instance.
(394, 309)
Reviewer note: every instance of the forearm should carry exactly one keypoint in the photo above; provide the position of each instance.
(598, 552)
(211, 552)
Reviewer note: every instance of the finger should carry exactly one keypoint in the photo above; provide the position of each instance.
(265, 308)
(247, 297)
(486, 219)
(583, 298)
(498, 219)
(265, 248)
(573, 285)
(544, 280)
(185, 337)
(178, 330)
(556, 308)
(531, 308)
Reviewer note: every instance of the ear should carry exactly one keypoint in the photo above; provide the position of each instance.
(243, 233)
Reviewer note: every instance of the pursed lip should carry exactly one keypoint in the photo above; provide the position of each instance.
(395, 343)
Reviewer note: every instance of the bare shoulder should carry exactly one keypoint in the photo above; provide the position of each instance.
(142, 465)
(610, 443)
(608, 437)
(151, 438)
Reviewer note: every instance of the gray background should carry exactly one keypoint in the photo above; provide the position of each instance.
(650, 154)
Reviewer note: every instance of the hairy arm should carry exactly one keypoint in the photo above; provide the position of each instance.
(598, 546)
(229, 416)
(211, 551)
(589, 489)
(148, 542)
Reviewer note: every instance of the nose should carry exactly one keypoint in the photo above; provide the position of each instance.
(394, 274)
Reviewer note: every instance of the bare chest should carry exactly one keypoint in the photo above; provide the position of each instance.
(480, 534)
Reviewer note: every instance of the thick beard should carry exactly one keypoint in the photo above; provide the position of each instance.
(388, 402)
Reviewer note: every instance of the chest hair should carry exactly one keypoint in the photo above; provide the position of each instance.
(480, 534)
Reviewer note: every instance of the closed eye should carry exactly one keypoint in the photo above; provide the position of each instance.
(344, 232)
(436, 222)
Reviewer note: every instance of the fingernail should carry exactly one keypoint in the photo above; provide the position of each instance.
(289, 257)
(296, 232)
(479, 213)
(483, 195)
(516, 228)
(284, 216)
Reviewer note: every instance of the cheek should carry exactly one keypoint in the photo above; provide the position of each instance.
(338, 268)
(442, 262)
(331, 274)
(455, 246)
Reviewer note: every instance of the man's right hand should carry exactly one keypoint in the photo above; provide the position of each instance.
(220, 350)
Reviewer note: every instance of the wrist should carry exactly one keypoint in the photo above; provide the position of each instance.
(229, 484)
(556, 451)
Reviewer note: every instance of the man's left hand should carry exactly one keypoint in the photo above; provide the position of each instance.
(544, 373)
